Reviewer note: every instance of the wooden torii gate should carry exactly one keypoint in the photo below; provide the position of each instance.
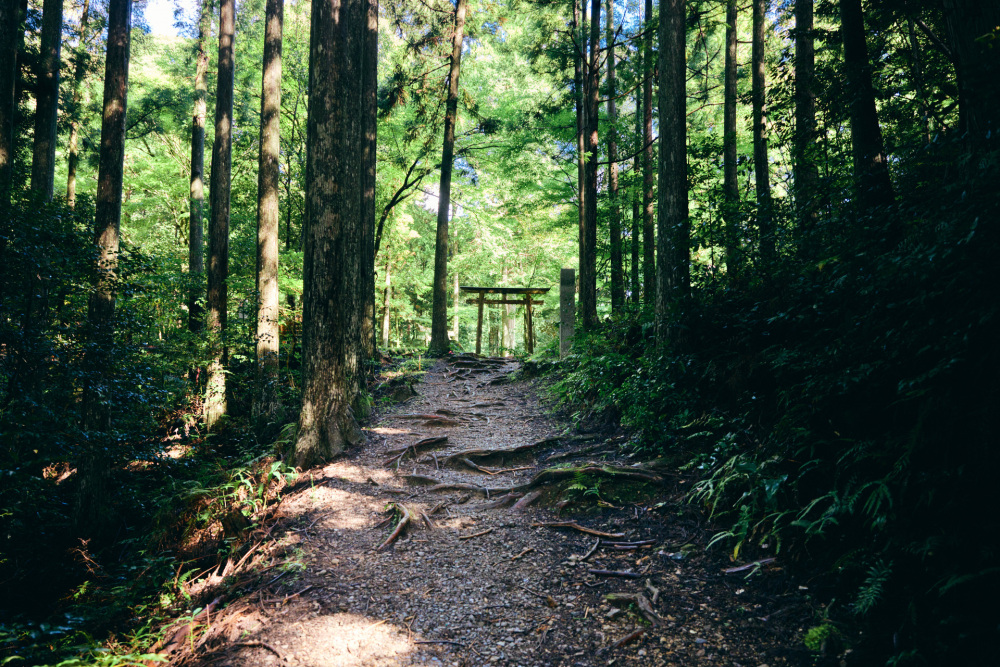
(506, 292)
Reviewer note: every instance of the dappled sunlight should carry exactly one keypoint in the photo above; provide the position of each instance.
(352, 472)
(348, 510)
(385, 430)
(345, 639)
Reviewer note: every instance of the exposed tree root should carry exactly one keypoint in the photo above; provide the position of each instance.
(550, 475)
(397, 455)
(404, 521)
(477, 454)
(526, 500)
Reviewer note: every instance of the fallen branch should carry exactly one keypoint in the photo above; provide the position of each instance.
(575, 526)
(592, 550)
(629, 638)
(748, 566)
(479, 534)
(404, 521)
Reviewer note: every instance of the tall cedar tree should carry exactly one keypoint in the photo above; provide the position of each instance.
(673, 242)
(370, 118)
(439, 313)
(218, 230)
(266, 399)
(637, 189)
(588, 237)
(579, 88)
(730, 186)
(43, 160)
(871, 167)
(648, 243)
(615, 224)
(806, 173)
(974, 32)
(9, 26)
(95, 466)
(761, 165)
(333, 228)
(80, 61)
(196, 240)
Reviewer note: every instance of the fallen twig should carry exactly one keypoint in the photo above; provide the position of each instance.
(614, 573)
(654, 590)
(261, 645)
(523, 553)
(575, 526)
(438, 641)
(479, 534)
(748, 566)
(629, 638)
(590, 553)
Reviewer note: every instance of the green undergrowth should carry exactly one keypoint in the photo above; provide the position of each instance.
(104, 600)
(839, 416)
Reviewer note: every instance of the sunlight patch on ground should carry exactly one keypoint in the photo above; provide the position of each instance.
(344, 640)
(353, 473)
(385, 430)
(351, 510)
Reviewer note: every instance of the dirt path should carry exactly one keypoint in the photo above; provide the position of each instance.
(478, 584)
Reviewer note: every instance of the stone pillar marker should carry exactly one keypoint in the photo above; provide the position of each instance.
(567, 309)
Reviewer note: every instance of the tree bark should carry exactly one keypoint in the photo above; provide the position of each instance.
(648, 240)
(637, 190)
(333, 228)
(588, 238)
(95, 463)
(615, 224)
(43, 161)
(974, 30)
(806, 173)
(873, 188)
(456, 295)
(673, 243)
(196, 251)
(386, 296)
(580, 96)
(266, 404)
(10, 25)
(761, 165)
(439, 315)
(218, 231)
(369, 116)
(81, 58)
(731, 206)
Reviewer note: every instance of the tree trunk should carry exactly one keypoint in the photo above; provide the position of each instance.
(731, 206)
(333, 228)
(588, 239)
(580, 94)
(806, 173)
(218, 231)
(615, 224)
(369, 117)
(974, 30)
(871, 168)
(673, 242)
(81, 59)
(266, 404)
(456, 294)
(648, 242)
(637, 190)
(196, 251)
(386, 296)
(439, 315)
(43, 161)
(761, 166)
(95, 464)
(10, 26)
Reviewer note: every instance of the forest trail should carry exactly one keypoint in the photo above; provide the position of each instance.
(475, 581)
